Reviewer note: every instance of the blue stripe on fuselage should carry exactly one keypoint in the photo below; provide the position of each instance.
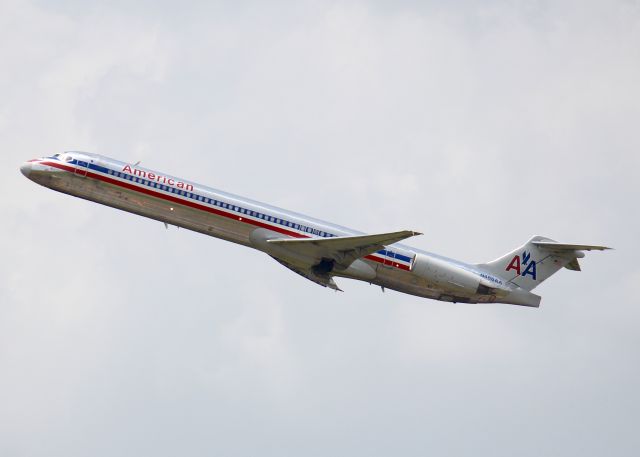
(227, 206)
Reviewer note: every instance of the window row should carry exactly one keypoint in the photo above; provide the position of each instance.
(220, 204)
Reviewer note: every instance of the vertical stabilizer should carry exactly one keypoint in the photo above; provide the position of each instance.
(536, 260)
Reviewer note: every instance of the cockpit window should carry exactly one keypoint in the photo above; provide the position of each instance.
(68, 158)
(55, 156)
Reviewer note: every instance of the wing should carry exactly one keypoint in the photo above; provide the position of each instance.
(323, 280)
(342, 249)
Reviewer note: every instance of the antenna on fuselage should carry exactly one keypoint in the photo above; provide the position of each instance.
(137, 163)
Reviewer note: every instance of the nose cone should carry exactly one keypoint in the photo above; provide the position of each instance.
(26, 169)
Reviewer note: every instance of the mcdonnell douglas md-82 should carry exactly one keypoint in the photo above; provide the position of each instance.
(315, 249)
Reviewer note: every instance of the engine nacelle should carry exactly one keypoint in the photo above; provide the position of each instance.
(452, 277)
(357, 270)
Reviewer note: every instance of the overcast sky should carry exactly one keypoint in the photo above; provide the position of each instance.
(477, 123)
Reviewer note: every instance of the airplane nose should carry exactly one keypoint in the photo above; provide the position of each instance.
(26, 169)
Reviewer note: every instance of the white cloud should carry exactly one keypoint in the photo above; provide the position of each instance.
(477, 124)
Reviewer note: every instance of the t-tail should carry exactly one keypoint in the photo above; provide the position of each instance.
(527, 266)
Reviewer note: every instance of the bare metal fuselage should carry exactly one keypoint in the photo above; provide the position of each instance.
(211, 212)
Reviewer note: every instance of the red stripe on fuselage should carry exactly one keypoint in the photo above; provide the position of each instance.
(171, 198)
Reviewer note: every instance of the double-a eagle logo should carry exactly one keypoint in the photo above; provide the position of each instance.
(523, 265)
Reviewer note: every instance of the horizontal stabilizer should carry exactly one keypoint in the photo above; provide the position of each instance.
(561, 247)
(574, 265)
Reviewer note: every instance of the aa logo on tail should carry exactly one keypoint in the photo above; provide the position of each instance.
(523, 261)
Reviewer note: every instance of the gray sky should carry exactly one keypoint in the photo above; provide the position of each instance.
(477, 123)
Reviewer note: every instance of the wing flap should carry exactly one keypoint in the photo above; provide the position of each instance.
(322, 280)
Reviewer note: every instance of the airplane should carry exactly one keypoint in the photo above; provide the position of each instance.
(314, 249)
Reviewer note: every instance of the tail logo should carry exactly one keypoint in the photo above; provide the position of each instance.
(523, 265)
